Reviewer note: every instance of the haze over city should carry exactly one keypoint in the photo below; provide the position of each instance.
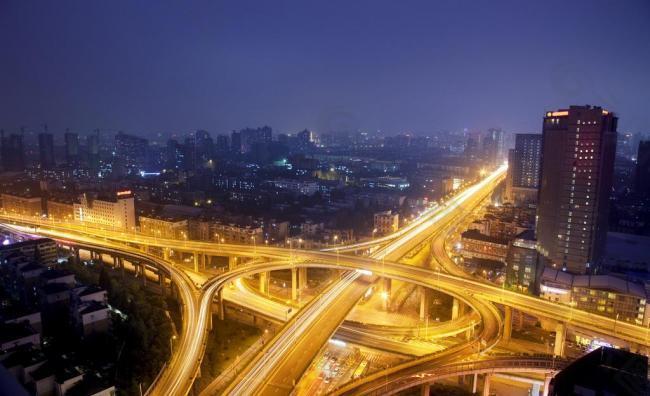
(283, 198)
(421, 67)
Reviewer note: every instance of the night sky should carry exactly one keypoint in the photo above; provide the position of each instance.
(394, 66)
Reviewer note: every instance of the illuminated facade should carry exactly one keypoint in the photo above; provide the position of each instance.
(24, 205)
(576, 178)
(115, 212)
(386, 222)
(164, 227)
(522, 181)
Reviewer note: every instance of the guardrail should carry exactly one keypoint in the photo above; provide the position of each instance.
(510, 364)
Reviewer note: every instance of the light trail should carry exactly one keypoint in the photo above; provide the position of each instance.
(298, 325)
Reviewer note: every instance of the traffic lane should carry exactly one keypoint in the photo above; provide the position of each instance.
(306, 345)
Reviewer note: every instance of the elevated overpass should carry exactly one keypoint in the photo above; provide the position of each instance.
(408, 376)
(289, 364)
(468, 288)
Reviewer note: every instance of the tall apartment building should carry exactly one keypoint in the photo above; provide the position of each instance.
(578, 148)
(12, 152)
(117, 211)
(46, 150)
(130, 153)
(524, 161)
(493, 146)
(71, 148)
(642, 172)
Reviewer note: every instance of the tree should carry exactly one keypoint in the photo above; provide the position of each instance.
(105, 280)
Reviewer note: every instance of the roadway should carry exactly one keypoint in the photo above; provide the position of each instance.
(454, 283)
(294, 354)
(434, 372)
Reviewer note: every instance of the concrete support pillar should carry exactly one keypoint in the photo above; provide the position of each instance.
(161, 282)
(222, 307)
(76, 254)
(116, 261)
(536, 389)
(143, 273)
(232, 263)
(143, 248)
(424, 302)
(474, 383)
(486, 384)
(197, 258)
(547, 385)
(520, 321)
(560, 338)
(264, 282)
(294, 284)
(507, 324)
(462, 308)
(121, 264)
(386, 286)
(166, 252)
(454, 309)
(425, 389)
(302, 278)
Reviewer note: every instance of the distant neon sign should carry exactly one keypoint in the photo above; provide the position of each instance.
(123, 193)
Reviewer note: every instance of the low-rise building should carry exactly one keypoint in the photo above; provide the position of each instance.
(386, 182)
(114, 211)
(475, 244)
(14, 335)
(606, 295)
(22, 204)
(167, 227)
(231, 233)
(43, 249)
(523, 263)
(301, 187)
(386, 222)
(60, 209)
(91, 317)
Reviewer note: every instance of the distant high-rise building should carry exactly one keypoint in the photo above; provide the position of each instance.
(642, 177)
(204, 148)
(493, 146)
(131, 153)
(223, 144)
(243, 140)
(522, 181)
(92, 148)
(46, 150)
(12, 152)
(578, 148)
(175, 155)
(71, 148)
(473, 144)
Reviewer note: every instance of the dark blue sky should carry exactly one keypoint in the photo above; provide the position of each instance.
(394, 66)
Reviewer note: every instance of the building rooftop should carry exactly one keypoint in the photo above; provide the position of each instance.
(12, 331)
(601, 282)
(604, 371)
(92, 306)
(475, 234)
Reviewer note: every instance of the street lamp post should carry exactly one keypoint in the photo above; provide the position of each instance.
(171, 345)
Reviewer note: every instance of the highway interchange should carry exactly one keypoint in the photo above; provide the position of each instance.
(303, 336)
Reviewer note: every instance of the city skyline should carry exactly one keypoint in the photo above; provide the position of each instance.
(441, 67)
(324, 198)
